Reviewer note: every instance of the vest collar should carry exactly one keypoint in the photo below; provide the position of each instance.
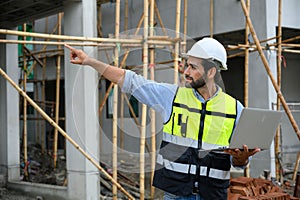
(200, 98)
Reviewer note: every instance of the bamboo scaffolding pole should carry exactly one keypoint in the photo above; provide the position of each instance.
(40, 118)
(253, 48)
(160, 19)
(25, 107)
(78, 38)
(52, 122)
(279, 50)
(211, 18)
(152, 112)
(291, 39)
(122, 95)
(236, 54)
(43, 124)
(32, 68)
(290, 45)
(185, 12)
(65, 37)
(155, 41)
(296, 167)
(115, 105)
(55, 139)
(291, 51)
(47, 43)
(27, 51)
(246, 74)
(36, 96)
(132, 111)
(265, 62)
(43, 52)
(122, 122)
(176, 47)
(144, 107)
(239, 46)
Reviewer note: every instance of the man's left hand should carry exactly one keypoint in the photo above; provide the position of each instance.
(240, 156)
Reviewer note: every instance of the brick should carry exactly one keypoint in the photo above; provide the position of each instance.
(255, 191)
(261, 182)
(263, 197)
(233, 196)
(278, 196)
(240, 190)
(241, 181)
(294, 198)
(247, 198)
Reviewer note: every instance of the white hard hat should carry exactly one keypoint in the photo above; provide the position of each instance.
(209, 48)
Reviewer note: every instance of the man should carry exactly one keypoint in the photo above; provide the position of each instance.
(198, 117)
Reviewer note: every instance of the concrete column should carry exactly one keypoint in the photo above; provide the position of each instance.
(9, 113)
(81, 105)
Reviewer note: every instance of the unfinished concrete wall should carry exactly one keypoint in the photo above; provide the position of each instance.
(9, 112)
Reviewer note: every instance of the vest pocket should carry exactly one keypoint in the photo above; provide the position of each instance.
(219, 161)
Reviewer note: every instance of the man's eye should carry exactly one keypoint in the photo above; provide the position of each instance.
(192, 66)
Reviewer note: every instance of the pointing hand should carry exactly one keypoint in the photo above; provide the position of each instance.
(77, 56)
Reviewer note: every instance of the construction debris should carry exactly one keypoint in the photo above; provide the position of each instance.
(243, 188)
(40, 170)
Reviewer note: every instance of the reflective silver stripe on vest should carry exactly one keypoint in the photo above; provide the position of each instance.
(182, 141)
(178, 167)
(216, 173)
(187, 142)
(191, 169)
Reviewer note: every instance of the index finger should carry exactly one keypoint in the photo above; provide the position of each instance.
(69, 47)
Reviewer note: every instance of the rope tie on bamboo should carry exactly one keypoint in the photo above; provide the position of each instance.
(151, 65)
(283, 60)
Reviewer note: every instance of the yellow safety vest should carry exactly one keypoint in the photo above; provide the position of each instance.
(193, 125)
(211, 122)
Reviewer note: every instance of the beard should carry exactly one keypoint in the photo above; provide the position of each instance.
(196, 84)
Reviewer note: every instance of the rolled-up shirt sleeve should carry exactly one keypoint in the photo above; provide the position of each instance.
(158, 96)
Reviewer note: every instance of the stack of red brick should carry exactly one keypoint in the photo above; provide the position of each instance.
(243, 188)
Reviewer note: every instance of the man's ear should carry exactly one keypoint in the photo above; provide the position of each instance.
(211, 72)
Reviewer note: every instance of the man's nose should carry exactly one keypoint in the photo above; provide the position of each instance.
(187, 70)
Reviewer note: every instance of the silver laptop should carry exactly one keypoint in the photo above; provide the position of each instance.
(256, 128)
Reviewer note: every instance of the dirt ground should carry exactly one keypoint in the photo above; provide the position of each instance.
(6, 194)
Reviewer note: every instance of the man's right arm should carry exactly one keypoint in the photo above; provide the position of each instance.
(159, 96)
(114, 74)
